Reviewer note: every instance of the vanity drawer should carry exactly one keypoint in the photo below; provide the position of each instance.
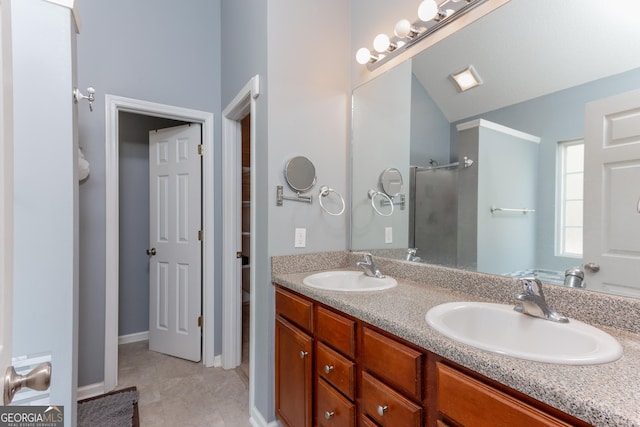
(366, 422)
(333, 410)
(399, 365)
(337, 332)
(337, 370)
(387, 407)
(484, 405)
(295, 309)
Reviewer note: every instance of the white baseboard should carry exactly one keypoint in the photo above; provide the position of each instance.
(91, 390)
(217, 361)
(257, 420)
(138, 336)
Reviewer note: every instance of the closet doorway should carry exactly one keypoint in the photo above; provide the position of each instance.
(116, 105)
(245, 232)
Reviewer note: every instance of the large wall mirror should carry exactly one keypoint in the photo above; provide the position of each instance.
(518, 209)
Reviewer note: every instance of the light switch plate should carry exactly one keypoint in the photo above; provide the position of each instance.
(388, 234)
(300, 240)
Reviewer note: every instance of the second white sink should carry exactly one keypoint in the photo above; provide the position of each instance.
(348, 281)
(499, 329)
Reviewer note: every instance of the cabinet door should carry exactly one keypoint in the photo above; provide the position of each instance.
(294, 375)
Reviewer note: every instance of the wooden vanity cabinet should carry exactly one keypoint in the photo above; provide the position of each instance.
(336, 371)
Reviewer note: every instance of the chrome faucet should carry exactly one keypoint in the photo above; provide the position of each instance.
(369, 267)
(411, 255)
(533, 303)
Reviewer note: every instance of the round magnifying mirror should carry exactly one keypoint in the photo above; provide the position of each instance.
(391, 182)
(300, 174)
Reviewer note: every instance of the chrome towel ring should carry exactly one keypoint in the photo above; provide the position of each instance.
(324, 192)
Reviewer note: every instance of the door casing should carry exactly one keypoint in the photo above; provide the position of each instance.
(243, 103)
(113, 106)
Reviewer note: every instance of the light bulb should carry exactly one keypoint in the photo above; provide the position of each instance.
(381, 43)
(402, 28)
(363, 55)
(427, 10)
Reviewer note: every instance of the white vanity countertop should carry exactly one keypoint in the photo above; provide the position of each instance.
(603, 395)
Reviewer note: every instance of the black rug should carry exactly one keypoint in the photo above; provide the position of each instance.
(116, 409)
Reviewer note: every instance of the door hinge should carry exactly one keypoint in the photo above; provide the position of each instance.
(199, 321)
(200, 149)
(200, 234)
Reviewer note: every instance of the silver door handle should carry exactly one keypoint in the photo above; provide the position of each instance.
(592, 267)
(38, 379)
(151, 251)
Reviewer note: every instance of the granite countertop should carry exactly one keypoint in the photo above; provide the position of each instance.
(603, 395)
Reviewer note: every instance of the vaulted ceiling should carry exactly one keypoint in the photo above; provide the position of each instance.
(529, 48)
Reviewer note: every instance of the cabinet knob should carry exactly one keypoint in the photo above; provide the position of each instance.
(382, 409)
(328, 415)
(328, 369)
(303, 354)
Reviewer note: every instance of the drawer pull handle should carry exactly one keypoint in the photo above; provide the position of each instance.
(303, 354)
(328, 369)
(328, 415)
(382, 410)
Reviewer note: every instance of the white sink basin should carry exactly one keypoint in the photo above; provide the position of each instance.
(499, 329)
(348, 281)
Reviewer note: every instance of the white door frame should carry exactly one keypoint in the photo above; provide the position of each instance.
(113, 106)
(244, 103)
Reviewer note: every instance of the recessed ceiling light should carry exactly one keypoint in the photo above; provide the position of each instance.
(466, 79)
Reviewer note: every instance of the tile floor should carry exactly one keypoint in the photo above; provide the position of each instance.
(175, 392)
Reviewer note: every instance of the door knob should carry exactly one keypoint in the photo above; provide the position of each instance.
(151, 251)
(592, 267)
(38, 379)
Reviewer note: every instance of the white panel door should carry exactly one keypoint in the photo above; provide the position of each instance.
(612, 194)
(176, 252)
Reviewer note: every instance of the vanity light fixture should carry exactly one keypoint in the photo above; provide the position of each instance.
(466, 79)
(364, 56)
(428, 10)
(383, 44)
(404, 29)
(432, 16)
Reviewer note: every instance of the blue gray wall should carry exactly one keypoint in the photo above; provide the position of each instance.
(154, 50)
(430, 130)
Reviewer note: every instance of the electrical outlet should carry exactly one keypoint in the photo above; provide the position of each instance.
(388, 234)
(300, 240)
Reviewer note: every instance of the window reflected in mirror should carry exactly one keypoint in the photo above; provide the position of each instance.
(570, 198)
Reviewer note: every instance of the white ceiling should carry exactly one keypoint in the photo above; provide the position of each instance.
(528, 48)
